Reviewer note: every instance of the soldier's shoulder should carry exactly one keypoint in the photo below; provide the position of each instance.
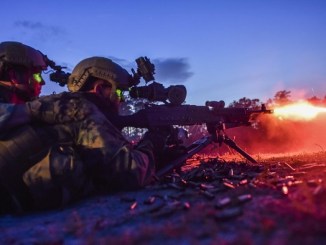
(62, 96)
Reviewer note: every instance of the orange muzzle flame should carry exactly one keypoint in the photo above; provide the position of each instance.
(300, 111)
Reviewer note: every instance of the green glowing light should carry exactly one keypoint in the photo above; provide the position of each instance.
(37, 77)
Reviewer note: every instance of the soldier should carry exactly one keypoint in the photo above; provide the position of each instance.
(20, 81)
(20, 72)
(87, 150)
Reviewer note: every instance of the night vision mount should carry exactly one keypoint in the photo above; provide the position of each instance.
(58, 75)
(174, 94)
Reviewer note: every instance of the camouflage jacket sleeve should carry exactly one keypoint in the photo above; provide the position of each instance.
(111, 161)
(60, 108)
(52, 109)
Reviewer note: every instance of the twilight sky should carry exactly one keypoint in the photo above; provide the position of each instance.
(219, 49)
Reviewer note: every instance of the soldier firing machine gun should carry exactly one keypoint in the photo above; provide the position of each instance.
(174, 113)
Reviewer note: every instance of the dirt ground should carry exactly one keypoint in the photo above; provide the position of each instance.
(280, 200)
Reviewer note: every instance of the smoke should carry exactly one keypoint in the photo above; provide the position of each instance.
(282, 136)
(172, 70)
(122, 62)
(38, 31)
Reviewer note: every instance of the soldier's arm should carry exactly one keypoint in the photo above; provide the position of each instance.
(134, 167)
(111, 159)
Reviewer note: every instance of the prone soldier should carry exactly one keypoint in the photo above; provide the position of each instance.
(76, 147)
(21, 68)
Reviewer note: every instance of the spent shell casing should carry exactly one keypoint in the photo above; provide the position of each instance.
(244, 198)
(221, 203)
(150, 200)
(133, 206)
(243, 182)
(186, 205)
(285, 190)
(229, 213)
(207, 194)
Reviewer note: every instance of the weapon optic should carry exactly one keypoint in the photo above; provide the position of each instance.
(173, 114)
(175, 94)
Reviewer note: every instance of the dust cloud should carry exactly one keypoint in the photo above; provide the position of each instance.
(273, 135)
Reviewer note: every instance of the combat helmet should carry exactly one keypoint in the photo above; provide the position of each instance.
(16, 53)
(99, 67)
(20, 72)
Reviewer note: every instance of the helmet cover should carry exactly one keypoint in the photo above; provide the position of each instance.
(99, 67)
(16, 53)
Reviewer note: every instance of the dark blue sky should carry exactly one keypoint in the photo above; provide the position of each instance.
(218, 49)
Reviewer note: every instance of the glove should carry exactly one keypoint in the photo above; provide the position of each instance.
(158, 138)
(164, 152)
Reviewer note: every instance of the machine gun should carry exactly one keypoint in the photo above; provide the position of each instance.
(216, 117)
(173, 114)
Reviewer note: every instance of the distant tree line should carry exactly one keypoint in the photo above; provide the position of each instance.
(281, 97)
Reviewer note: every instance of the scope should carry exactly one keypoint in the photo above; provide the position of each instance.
(175, 94)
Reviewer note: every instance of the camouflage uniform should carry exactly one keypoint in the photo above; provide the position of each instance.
(89, 154)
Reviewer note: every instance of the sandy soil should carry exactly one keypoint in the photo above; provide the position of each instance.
(280, 200)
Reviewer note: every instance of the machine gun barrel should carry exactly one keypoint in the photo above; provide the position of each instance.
(167, 115)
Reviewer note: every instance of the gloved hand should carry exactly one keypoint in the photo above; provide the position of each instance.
(158, 138)
(164, 152)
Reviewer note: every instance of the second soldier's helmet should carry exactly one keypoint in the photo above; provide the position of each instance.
(20, 72)
(16, 53)
(98, 67)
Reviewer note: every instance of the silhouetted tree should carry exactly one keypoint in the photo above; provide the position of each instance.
(324, 100)
(129, 107)
(315, 100)
(246, 103)
(282, 97)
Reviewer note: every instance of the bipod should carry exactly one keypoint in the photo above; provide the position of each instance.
(223, 138)
(191, 150)
(197, 146)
